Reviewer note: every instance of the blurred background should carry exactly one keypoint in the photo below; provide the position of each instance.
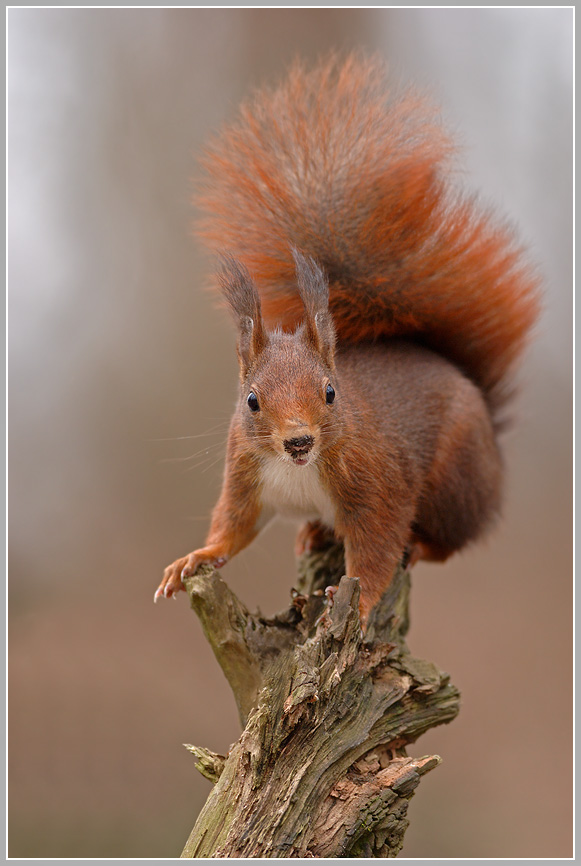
(116, 354)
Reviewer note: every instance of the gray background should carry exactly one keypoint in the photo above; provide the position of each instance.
(115, 350)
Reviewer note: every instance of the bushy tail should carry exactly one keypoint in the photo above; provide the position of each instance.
(338, 164)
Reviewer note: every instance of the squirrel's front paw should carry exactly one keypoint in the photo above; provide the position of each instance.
(172, 579)
(185, 567)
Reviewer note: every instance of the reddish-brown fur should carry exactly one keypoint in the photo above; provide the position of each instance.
(428, 300)
(356, 173)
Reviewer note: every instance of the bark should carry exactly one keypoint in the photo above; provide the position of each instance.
(320, 769)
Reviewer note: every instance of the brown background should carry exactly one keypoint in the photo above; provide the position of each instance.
(115, 351)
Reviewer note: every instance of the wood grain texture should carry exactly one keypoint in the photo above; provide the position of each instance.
(320, 769)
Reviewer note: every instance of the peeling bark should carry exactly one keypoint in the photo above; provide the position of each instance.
(320, 769)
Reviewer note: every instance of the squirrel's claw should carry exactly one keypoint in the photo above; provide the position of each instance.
(172, 581)
(174, 574)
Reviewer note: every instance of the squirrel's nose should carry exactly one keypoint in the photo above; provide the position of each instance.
(300, 445)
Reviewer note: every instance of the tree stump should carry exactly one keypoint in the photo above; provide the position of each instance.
(320, 769)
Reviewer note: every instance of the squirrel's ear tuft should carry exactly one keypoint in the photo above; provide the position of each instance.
(242, 297)
(314, 292)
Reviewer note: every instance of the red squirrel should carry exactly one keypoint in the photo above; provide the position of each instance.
(380, 314)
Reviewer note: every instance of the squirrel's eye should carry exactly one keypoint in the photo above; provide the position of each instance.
(329, 393)
(252, 401)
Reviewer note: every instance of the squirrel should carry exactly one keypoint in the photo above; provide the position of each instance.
(380, 313)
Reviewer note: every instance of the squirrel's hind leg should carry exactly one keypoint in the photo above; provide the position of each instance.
(421, 550)
(313, 535)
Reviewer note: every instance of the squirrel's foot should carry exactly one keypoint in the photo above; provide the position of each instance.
(417, 550)
(173, 575)
(313, 535)
(172, 579)
(330, 594)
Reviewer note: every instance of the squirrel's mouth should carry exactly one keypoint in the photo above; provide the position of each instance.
(301, 459)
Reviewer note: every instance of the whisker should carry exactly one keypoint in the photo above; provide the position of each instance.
(210, 432)
(196, 454)
(214, 463)
(203, 461)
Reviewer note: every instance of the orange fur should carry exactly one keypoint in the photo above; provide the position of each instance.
(356, 173)
(408, 302)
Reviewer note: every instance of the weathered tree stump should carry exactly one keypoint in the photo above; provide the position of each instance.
(320, 769)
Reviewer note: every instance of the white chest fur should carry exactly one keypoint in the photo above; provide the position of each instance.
(296, 491)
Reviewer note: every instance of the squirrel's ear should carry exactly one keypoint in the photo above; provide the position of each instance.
(314, 292)
(242, 297)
